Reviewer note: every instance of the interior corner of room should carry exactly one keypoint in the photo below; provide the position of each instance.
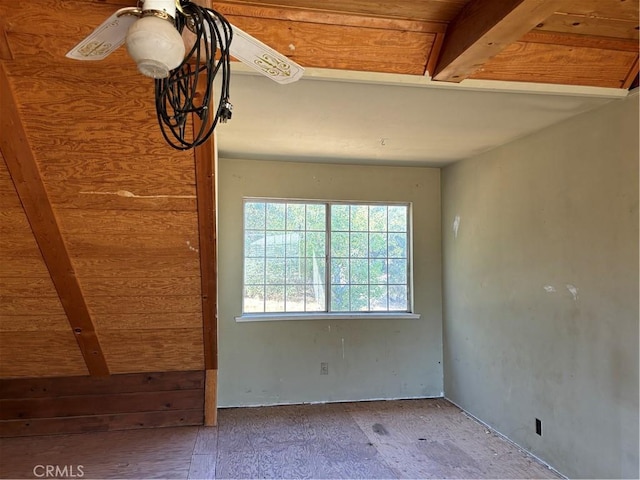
(122, 275)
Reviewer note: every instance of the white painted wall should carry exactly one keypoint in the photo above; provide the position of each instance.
(279, 362)
(541, 290)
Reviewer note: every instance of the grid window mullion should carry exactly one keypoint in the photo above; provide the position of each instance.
(348, 289)
(264, 279)
(327, 261)
(289, 277)
(304, 262)
(286, 244)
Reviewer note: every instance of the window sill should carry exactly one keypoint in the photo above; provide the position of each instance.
(276, 317)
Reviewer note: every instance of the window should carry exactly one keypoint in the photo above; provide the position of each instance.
(331, 257)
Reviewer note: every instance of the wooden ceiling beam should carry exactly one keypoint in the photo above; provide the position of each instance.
(632, 77)
(26, 177)
(483, 29)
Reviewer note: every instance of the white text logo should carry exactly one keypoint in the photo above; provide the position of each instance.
(57, 471)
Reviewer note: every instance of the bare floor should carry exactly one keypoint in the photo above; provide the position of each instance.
(394, 439)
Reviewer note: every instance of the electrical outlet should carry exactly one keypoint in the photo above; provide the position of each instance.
(539, 426)
(324, 368)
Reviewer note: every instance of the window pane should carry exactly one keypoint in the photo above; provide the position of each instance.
(378, 298)
(340, 218)
(397, 219)
(316, 217)
(359, 298)
(339, 244)
(285, 257)
(359, 271)
(377, 248)
(340, 271)
(275, 244)
(339, 298)
(359, 217)
(295, 271)
(274, 298)
(359, 246)
(377, 244)
(254, 244)
(398, 271)
(295, 244)
(275, 216)
(315, 271)
(254, 271)
(378, 271)
(315, 298)
(315, 246)
(254, 298)
(254, 215)
(294, 301)
(295, 216)
(378, 218)
(398, 298)
(398, 245)
(275, 271)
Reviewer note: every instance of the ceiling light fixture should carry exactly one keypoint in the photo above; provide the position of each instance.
(184, 67)
(153, 41)
(183, 82)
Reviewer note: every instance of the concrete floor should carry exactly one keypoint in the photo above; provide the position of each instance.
(393, 439)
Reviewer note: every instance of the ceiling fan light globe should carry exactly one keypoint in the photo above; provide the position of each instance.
(155, 45)
(153, 69)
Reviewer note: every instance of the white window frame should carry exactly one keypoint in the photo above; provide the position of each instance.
(320, 315)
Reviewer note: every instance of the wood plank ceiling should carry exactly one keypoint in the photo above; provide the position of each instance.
(100, 219)
(572, 42)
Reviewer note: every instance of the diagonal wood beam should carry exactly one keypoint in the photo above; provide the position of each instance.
(483, 29)
(25, 174)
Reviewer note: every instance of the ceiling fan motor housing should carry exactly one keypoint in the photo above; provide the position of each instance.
(153, 41)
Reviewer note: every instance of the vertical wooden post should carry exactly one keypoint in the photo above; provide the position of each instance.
(211, 398)
(205, 160)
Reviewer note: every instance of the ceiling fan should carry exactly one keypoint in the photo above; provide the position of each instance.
(154, 32)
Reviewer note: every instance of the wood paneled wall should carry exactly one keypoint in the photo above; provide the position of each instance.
(125, 203)
(35, 337)
(46, 406)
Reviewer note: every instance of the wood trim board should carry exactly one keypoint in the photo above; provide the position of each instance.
(45, 406)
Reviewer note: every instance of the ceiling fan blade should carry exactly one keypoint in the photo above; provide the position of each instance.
(259, 56)
(106, 38)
